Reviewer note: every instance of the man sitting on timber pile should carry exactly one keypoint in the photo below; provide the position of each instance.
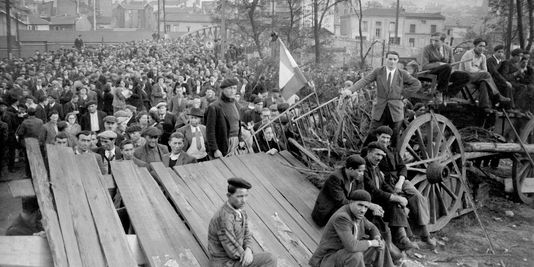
(29, 220)
(383, 194)
(475, 65)
(349, 239)
(336, 190)
(229, 238)
(395, 173)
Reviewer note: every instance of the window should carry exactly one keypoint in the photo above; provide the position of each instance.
(378, 24)
(412, 28)
(378, 33)
(411, 41)
(393, 40)
(167, 28)
(358, 38)
(365, 26)
(433, 28)
(392, 26)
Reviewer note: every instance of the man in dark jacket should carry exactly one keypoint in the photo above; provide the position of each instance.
(93, 119)
(349, 239)
(383, 194)
(494, 64)
(151, 151)
(223, 126)
(337, 188)
(395, 174)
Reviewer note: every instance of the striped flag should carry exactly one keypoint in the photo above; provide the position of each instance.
(290, 78)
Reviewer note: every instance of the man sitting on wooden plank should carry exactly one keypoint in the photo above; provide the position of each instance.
(229, 238)
(336, 190)
(349, 239)
(29, 220)
(395, 173)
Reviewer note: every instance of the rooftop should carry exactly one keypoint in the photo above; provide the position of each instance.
(34, 20)
(185, 17)
(62, 20)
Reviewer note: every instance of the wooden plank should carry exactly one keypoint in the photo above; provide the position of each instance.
(34, 251)
(308, 153)
(182, 240)
(287, 230)
(63, 168)
(146, 218)
(216, 174)
(110, 230)
(497, 147)
(199, 226)
(193, 200)
(50, 219)
(267, 173)
(21, 188)
(192, 184)
(291, 159)
(143, 216)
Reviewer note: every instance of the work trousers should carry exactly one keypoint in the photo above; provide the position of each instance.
(259, 260)
(371, 257)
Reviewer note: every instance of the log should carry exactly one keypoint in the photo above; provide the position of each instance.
(497, 147)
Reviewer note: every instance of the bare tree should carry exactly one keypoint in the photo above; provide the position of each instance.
(253, 26)
(290, 28)
(320, 9)
(519, 4)
(530, 7)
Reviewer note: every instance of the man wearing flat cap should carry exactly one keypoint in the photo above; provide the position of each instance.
(223, 126)
(383, 194)
(108, 150)
(166, 122)
(349, 239)
(229, 238)
(336, 190)
(395, 172)
(151, 151)
(195, 135)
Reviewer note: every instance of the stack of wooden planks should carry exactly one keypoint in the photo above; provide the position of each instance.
(280, 201)
(81, 224)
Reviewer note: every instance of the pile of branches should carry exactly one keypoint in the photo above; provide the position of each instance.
(478, 134)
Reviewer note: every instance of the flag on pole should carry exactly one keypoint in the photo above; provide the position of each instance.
(290, 78)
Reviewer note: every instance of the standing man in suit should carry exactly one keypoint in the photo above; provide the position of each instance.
(93, 119)
(437, 59)
(151, 151)
(52, 105)
(392, 85)
(177, 156)
(41, 110)
(195, 136)
(108, 151)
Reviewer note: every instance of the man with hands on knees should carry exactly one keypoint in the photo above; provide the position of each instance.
(336, 190)
(349, 239)
(229, 238)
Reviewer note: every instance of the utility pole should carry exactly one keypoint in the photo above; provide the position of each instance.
(397, 23)
(223, 28)
(94, 15)
(159, 23)
(164, 18)
(8, 25)
(18, 32)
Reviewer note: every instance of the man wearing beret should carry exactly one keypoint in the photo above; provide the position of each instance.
(349, 239)
(108, 150)
(222, 122)
(93, 119)
(383, 194)
(336, 190)
(229, 238)
(395, 172)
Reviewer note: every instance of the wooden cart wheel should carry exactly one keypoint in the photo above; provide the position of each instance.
(523, 169)
(432, 149)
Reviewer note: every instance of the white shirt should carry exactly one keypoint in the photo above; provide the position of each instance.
(95, 126)
(193, 151)
(392, 73)
(174, 156)
(110, 154)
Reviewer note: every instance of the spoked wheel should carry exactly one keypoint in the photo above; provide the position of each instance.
(432, 149)
(523, 171)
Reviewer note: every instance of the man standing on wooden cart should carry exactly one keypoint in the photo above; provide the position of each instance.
(392, 85)
(229, 238)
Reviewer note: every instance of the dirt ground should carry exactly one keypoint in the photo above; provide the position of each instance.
(461, 243)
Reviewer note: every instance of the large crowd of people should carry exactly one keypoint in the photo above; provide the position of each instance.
(174, 101)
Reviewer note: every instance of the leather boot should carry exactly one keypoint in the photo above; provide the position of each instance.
(402, 241)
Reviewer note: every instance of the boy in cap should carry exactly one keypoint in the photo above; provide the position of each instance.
(229, 238)
(349, 239)
(108, 151)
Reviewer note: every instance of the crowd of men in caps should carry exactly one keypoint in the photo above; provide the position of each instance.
(175, 102)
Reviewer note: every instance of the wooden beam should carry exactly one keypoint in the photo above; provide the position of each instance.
(497, 147)
(110, 231)
(34, 251)
(46, 203)
(308, 153)
(21, 188)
